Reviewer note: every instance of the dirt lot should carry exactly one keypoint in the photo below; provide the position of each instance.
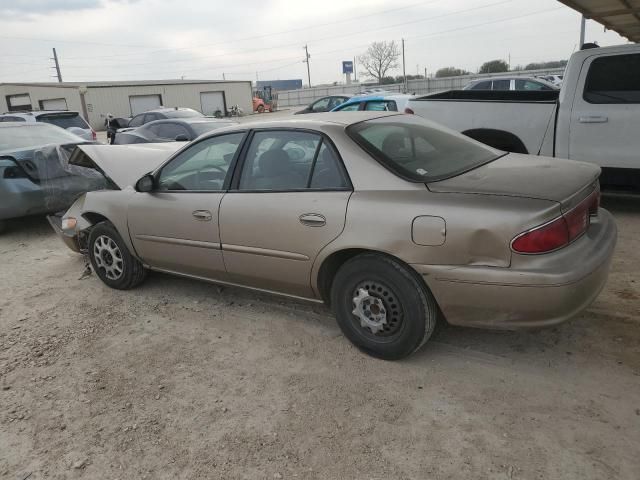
(180, 379)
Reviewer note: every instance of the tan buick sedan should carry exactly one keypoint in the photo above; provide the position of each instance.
(394, 222)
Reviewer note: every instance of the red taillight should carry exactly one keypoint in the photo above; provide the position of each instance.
(561, 231)
(94, 135)
(546, 238)
(408, 110)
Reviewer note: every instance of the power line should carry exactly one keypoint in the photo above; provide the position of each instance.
(332, 37)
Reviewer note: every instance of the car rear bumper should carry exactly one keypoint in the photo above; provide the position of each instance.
(536, 291)
(70, 239)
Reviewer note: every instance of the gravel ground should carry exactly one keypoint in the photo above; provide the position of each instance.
(180, 379)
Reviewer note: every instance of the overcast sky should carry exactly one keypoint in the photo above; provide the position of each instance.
(202, 39)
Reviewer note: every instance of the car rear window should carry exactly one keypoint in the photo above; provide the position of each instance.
(418, 150)
(63, 120)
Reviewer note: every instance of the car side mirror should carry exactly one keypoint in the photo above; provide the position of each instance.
(146, 183)
(182, 138)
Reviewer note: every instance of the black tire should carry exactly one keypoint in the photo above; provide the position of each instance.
(3, 226)
(260, 108)
(111, 259)
(410, 311)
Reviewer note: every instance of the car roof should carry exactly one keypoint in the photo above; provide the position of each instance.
(190, 120)
(311, 120)
(166, 109)
(37, 112)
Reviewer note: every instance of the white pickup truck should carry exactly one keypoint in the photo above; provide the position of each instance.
(595, 117)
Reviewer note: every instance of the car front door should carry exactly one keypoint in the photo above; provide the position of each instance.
(175, 227)
(605, 118)
(288, 200)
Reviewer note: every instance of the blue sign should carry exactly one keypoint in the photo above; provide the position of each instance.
(347, 67)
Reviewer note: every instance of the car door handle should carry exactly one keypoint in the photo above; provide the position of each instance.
(593, 119)
(313, 220)
(202, 215)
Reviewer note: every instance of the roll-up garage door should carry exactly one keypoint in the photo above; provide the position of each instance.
(212, 102)
(142, 103)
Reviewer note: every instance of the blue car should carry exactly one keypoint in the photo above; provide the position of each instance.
(376, 103)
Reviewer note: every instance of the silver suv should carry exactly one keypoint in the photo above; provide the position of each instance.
(69, 120)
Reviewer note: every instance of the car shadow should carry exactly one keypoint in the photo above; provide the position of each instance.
(26, 227)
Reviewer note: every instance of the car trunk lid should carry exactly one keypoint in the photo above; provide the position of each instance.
(564, 181)
(124, 164)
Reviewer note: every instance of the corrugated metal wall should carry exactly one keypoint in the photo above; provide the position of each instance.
(115, 99)
(37, 93)
(294, 98)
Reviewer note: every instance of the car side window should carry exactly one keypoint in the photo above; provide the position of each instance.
(137, 120)
(613, 80)
(354, 107)
(327, 172)
(201, 167)
(12, 119)
(168, 131)
(335, 102)
(150, 117)
(501, 85)
(289, 160)
(381, 106)
(530, 86)
(482, 86)
(321, 105)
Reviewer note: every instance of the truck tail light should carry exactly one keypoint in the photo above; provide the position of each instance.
(94, 135)
(561, 231)
(408, 110)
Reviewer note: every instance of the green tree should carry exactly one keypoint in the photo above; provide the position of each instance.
(494, 66)
(450, 72)
(542, 65)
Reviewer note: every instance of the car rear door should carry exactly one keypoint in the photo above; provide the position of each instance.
(288, 201)
(605, 118)
(175, 227)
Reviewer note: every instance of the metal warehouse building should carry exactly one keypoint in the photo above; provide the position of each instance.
(94, 100)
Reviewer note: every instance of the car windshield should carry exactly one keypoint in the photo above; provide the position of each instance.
(64, 120)
(204, 127)
(184, 113)
(418, 150)
(27, 136)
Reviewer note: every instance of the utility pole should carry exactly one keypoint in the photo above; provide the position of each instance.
(306, 60)
(404, 70)
(355, 72)
(57, 67)
(223, 77)
(583, 26)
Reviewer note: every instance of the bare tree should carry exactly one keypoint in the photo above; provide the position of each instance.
(379, 58)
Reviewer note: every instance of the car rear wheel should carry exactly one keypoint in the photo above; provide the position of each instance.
(3, 226)
(382, 307)
(260, 108)
(111, 259)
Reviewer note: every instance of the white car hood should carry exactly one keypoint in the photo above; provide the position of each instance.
(125, 164)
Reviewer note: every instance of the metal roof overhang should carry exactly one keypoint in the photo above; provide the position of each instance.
(621, 16)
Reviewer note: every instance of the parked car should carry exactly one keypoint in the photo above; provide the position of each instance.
(376, 103)
(594, 118)
(171, 130)
(510, 83)
(159, 114)
(387, 218)
(68, 120)
(324, 104)
(34, 176)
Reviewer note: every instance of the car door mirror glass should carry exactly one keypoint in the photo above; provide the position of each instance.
(146, 183)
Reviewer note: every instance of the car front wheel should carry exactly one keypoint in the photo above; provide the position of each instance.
(382, 307)
(111, 259)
